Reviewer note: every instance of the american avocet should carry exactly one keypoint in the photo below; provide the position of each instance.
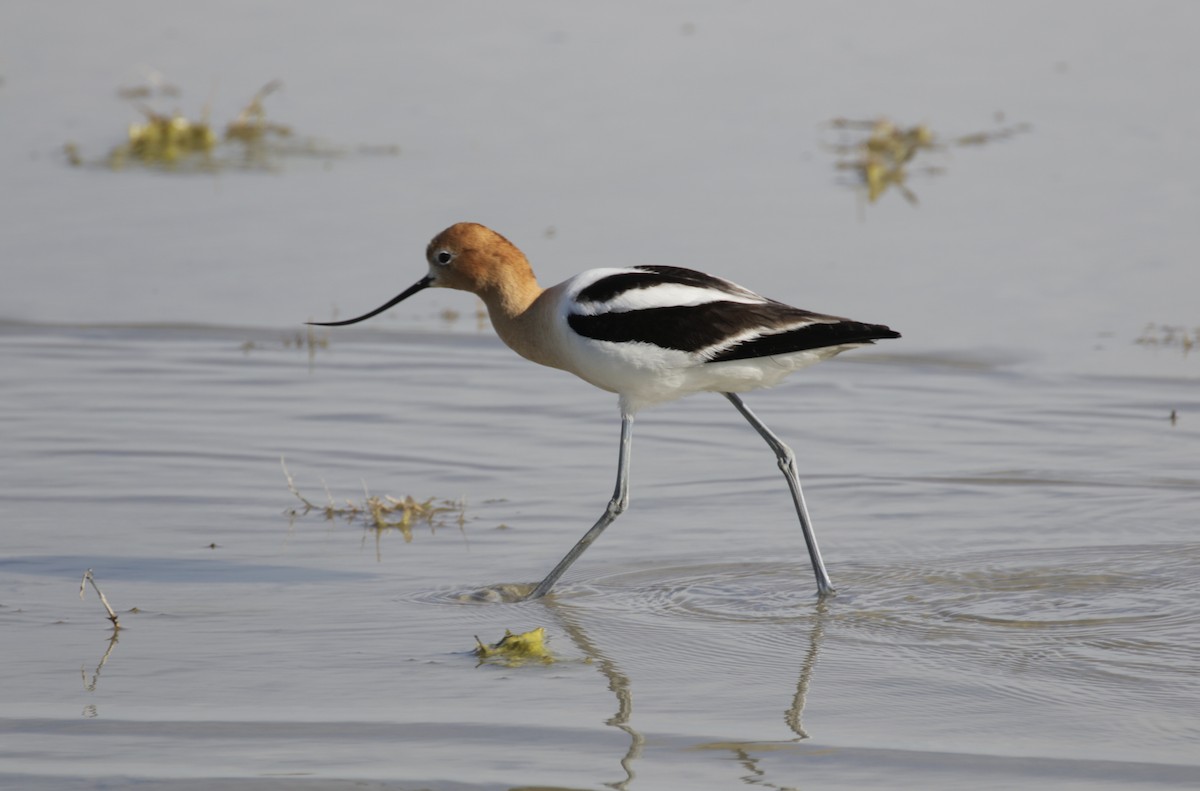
(647, 333)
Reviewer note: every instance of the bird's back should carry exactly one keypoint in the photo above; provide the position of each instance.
(655, 333)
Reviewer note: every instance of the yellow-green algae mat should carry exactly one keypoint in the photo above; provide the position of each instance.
(172, 142)
(515, 650)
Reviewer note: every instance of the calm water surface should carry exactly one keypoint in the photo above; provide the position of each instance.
(1011, 585)
(1005, 502)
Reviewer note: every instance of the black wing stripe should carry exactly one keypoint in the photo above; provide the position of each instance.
(696, 328)
(607, 288)
(812, 336)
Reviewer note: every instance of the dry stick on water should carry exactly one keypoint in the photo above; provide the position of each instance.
(308, 505)
(330, 511)
(87, 577)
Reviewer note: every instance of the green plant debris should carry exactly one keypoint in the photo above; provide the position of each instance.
(165, 140)
(172, 141)
(307, 340)
(881, 152)
(516, 649)
(1170, 336)
(71, 152)
(251, 126)
(382, 513)
(155, 85)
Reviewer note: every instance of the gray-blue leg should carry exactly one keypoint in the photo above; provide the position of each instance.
(787, 464)
(616, 506)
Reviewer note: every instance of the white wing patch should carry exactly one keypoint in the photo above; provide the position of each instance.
(666, 294)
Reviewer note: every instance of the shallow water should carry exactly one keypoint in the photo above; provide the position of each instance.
(1006, 504)
(1026, 594)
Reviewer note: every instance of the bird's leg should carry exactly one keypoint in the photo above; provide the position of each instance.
(787, 463)
(616, 506)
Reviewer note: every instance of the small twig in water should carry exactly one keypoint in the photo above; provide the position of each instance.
(87, 577)
(308, 506)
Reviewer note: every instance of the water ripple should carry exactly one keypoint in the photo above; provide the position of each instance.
(1110, 625)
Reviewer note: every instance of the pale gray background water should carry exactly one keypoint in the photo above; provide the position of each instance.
(1003, 501)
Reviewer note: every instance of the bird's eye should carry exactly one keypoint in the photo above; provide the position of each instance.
(444, 256)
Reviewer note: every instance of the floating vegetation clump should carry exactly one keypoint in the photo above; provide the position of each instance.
(171, 141)
(307, 340)
(382, 513)
(1170, 336)
(880, 152)
(165, 140)
(514, 650)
